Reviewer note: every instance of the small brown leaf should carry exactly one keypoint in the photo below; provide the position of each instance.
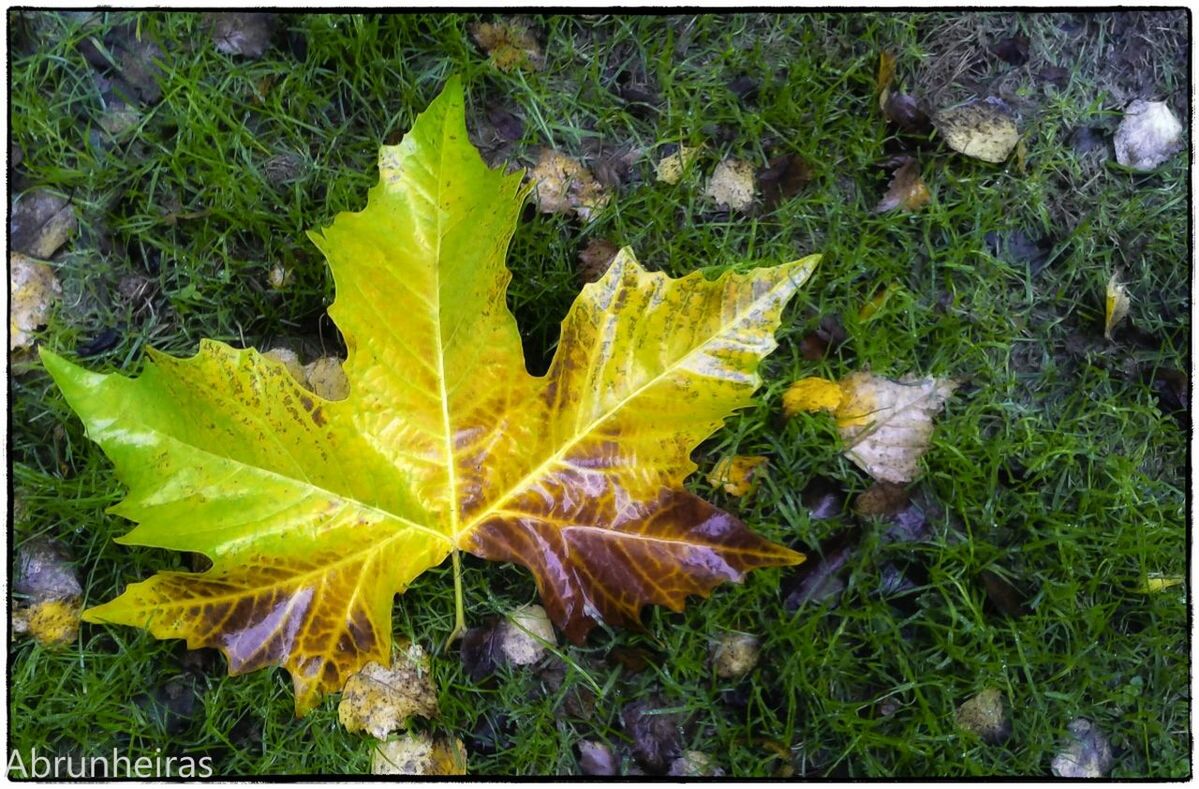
(509, 44)
(564, 186)
(247, 34)
(326, 378)
(905, 112)
(1013, 50)
(40, 223)
(984, 715)
(819, 579)
(656, 734)
(783, 179)
(885, 76)
(907, 190)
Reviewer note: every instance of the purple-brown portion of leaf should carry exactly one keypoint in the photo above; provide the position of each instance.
(904, 111)
(783, 179)
(820, 579)
(657, 735)
(592, 564)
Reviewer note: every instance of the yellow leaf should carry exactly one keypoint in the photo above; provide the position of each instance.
(1116, 305)
(380, 701)
(812, 394)
(419, 754)
(52, 623)
(671, 167)
(33, 290)
(564, 186)
(736, 474)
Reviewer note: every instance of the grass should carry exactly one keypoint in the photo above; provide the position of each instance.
(184, 211)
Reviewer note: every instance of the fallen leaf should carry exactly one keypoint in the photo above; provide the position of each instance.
(247, 34)
(907, 190)
(784, 177)
(985, 715)
(419, 754)
(480, 650)
(379, 700)
(563, 186)
(444, 442)
(670, 168)
(1171, 387)
(526, 634)
(1148, 135)
(694, 764)
(129, 58)
(1013, 50)
(731, 185)
(279, 277)
(885, 75)
(45, 572)
(829, 336)
(32, 292)
(735, 475)
(40, 223)
(595, 258)
(291, 361)
(52, 623)
(905, 112)
(656, 733)
(734, 655)
(1089, 755)
(980, 129)
(596, 758)
(1116, 305)
(1155, 584)
(326, 378)
(509, 44)
(823, 497)
(886, 425)
(1006, 598)
(819, 579)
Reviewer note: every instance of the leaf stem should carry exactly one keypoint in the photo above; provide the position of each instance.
(459, 610)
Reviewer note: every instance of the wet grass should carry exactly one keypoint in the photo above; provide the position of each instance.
(1055, 461)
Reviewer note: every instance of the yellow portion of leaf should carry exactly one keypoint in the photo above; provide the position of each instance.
(1160, 584)
(812, 394)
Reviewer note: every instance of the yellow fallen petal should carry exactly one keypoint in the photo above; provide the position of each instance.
(1117, 305)
(812, 394)
(735, 475)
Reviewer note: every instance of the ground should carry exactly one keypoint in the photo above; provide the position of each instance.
(1059, 465)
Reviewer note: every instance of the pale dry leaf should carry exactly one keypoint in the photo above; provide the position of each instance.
(907, 190)
(279, 277)
(509, 44)
(885, 425)
(1089, 754)
(525, 634)
(40, 222)
(735, 475)
(327, 378)
(1148, 135)
(1115, 305)
(670, 168)
(564, 186)
(732, 185)
(380, 701)
(734, 654)
(419, 754)
(980, 129)
(33, 289)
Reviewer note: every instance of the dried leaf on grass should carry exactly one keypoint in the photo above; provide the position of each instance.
(731, 185)
(596, 758)
(1148, 135)
(670, 168)
(51, 606)
(419, 754)
(595, 258)
(1089, 754)
(247, 34)
(564, 186)
(982, 129)
(907, 190)
(509, 44)
(32, 291)
(735, 475)
(1115, 305)
(900, 109)
(784, 177)
(379, 700)
(40, 223)
(734, 654)
(985, 715)
(886, 425)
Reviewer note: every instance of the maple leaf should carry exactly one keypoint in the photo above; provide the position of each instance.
(317, 512)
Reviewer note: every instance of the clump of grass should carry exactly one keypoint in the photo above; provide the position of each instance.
(187, 203)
